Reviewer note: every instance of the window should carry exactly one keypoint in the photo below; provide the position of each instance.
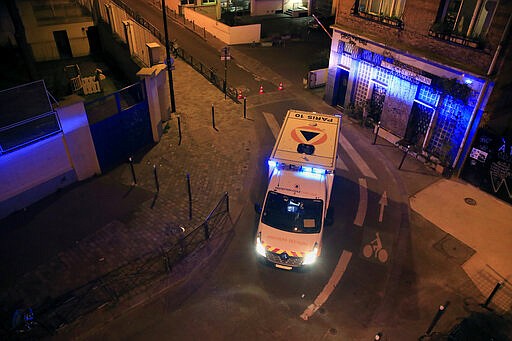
(293, 214)
(468, 18)
(386, 8)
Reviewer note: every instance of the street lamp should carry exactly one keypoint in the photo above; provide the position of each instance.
(225, 56)
(168, 58)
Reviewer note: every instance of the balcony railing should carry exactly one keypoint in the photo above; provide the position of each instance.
(442, 33)
(389, 21)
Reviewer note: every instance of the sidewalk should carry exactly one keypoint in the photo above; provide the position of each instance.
(478, 220)
(103, 223)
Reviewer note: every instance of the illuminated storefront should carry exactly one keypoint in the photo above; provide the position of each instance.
(432, 107)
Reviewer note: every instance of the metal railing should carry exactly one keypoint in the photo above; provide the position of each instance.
(113, 286)
(207, 71)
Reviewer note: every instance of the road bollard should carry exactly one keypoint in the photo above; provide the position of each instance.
(376, 133)
(179, 129)
(156, 179)
(403, 158)
(439, 313)
(213, 117)
(133, 171)
(206, 231)
(494, 291)
(245, 107)
(189, 198)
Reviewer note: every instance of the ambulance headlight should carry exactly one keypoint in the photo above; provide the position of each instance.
(311, 257)
(272, 163)
(260, 249)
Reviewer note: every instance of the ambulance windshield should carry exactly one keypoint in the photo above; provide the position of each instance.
(292, 214)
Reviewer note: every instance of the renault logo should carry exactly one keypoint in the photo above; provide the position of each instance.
(284, 256)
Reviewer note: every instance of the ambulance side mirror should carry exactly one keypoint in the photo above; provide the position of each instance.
(257, 208)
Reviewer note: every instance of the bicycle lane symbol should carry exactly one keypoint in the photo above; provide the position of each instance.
(373, 247)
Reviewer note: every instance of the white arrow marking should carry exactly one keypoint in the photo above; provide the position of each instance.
(382, 203)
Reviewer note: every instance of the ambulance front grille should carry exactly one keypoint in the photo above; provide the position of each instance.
(290, 261)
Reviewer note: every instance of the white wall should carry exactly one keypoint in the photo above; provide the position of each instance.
(229, 35)
(259, 7)
(40, 169)
(32, 165)
(40, 37)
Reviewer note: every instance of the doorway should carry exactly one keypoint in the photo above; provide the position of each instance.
(340, 87)
(417, 126)
(63, 46)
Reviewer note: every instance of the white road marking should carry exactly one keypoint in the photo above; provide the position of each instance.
(363, 203)
(358, 160)
(272, 123)
(383, 202)
(329, 287)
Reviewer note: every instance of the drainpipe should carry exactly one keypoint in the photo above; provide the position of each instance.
(482, 95)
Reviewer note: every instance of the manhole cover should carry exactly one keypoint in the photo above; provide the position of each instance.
(470, 201)
(454, 249)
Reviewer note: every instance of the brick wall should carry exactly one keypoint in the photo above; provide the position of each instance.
(418, 17)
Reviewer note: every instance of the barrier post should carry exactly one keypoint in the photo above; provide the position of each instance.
(439, 313)
(376, 133)
(133, 171)
(189, 198)
(213, 117)
(494, 291)
(156, 179)
(245, 107)
(403, 158)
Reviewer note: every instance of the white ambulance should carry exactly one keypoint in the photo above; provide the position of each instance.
(301, 175)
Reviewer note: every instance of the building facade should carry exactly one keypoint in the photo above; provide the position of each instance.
(55, 30)
(424, 70)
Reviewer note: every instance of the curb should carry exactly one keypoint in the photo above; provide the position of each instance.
(191, 268)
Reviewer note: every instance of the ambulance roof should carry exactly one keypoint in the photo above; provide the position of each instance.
(302, 129)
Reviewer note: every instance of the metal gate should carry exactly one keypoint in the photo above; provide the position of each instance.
(489, 164)
(120, 125)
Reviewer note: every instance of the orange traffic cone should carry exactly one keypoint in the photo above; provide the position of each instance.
(261, 89)
(281, 87)
(240, 96)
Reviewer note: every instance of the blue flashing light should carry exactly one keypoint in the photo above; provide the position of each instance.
(272, 163)
(307, 169)
(310, 175)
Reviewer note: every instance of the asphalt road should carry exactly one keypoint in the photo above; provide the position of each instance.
(240, 298)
